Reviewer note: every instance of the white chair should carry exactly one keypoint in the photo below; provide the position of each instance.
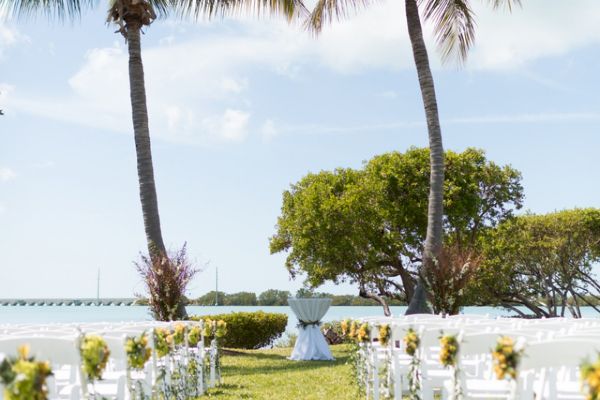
(546, 360)
(477, 347)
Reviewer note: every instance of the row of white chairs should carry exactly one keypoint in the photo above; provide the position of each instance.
(60, 343)
(553, 350)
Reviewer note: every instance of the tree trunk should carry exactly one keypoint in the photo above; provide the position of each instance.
(143, 149)
(139, 111)
(433, 240)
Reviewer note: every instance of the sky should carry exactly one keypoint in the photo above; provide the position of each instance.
(243, 107)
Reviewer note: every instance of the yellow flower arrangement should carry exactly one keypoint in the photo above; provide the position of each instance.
(179, 334)
(449, 350)
(24, 378)
(412, 342)
(194, 335)
(345, 325)
(384, 334)
(353, 329)
(94, 354)
(364, 333)
(220, 328)
(137, 350)
(590, 379)
(208, 327)
(506, 358)
(214, 329)
(163, 342)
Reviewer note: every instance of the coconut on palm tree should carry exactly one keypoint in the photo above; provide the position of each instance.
(454, 28)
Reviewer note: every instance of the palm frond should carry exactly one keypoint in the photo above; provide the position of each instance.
(326, 10)
(220, 8)
(161, 7)
(53, 9)
(508, 4)
(453, 26)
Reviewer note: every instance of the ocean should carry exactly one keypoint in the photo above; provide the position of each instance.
(48, 314)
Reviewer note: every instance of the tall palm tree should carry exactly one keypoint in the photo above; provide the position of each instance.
(131, 16)
(454, 29)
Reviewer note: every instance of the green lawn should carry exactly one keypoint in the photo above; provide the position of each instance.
(267, 374)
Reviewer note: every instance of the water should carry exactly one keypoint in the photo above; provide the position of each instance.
(47, 314)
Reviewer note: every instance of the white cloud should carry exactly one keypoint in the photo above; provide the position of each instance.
(7, 174)
(232, 126)
(377, 36)
(234, 85)
(9, 35)
(542, 28)
(394, 126)
(181, 107)
(197, 84)
(5, 90)
(269, 131)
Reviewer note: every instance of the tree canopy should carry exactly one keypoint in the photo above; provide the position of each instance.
(367, 226)
(543, 262)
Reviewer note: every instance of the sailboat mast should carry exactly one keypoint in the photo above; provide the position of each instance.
(98, 288)
(216, 286)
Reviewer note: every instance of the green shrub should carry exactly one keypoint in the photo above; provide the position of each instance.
(250, 330)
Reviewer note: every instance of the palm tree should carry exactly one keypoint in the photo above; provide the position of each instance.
(454, 29)
(131, 16)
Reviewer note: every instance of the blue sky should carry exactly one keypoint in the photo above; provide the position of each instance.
(242, 108)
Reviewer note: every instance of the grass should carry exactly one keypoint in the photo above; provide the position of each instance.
(269, 375)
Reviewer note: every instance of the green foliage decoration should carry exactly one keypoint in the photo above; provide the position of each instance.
(194, 336)
(137, 350)
(178, 334)
(94, 354)
(163, 342)
(23, 377)
(590, 379)
(385, 332)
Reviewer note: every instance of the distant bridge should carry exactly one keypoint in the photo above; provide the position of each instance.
(70, 302)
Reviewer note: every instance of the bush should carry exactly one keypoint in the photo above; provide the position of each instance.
(250, 330)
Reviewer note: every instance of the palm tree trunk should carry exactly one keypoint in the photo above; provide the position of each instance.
(156, 246)
(433, 240)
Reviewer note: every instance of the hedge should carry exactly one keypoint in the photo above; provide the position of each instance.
(249, 330)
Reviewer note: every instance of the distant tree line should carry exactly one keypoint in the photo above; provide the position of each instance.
(273, 297)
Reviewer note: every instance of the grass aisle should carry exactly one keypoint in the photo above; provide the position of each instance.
(267, 374)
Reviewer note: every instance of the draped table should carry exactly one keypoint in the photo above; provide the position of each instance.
(311, 344)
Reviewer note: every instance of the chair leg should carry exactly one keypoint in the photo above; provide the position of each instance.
(397, 379)
(426, 390)
(375, 362)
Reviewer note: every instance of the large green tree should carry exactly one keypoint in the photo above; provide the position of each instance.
(131, 16)
(454, 29)
(543, 263)
(368, 226)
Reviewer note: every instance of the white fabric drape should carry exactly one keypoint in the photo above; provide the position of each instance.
(311, 344)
